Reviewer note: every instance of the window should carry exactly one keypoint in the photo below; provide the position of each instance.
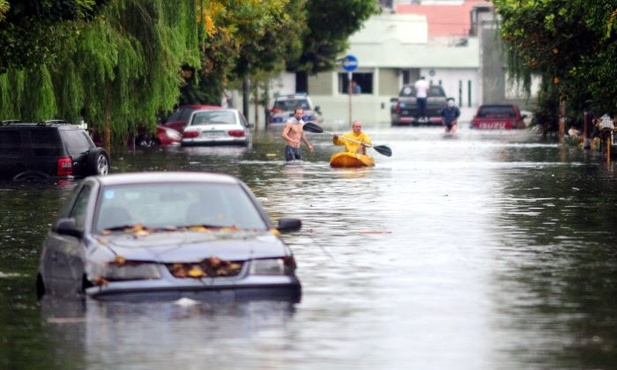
(363, 80)
(10, 143)
(44, 143)
(81, 207)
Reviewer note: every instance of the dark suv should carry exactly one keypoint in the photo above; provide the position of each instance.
(49, 150)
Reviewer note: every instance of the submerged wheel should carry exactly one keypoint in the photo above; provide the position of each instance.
(98, 162)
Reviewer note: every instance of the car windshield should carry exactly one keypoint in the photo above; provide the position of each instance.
(291, 104)
(214, 117)
(496, 111)
(177, 205)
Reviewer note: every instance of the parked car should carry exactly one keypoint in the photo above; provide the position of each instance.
(217, 126)
(164, 136)
(179, 119)
(49, 150)
(498, 117)
(285, 105)
(404, 110)
(166, 235)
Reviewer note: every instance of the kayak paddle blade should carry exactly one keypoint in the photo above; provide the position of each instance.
(383, 149)
(312, 127)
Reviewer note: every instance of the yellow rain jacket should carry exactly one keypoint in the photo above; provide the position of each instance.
(352, 146)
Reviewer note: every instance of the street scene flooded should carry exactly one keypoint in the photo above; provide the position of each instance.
(480, 250)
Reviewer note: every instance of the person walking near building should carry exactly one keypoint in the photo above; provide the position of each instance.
(294, 135)
(422, 87)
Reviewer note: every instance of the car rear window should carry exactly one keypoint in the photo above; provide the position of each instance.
(214, 117)
(433, 90)
(77, 141)
(497, 111)
(10, 142)
(45, 143)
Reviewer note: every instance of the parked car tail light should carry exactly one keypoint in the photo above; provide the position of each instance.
(190, 134)
(65, 166)
(273, 266)
(127, 271)
(236, 133)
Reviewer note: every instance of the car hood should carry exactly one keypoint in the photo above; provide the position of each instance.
(189, 246)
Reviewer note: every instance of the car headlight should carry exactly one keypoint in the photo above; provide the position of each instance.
(273, 266)
(127, 271)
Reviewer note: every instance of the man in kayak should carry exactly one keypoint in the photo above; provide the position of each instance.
(354, 141)
(293, 135)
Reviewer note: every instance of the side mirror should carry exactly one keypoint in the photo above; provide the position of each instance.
(287, 224)
(394, 100)
(67, 226)
(318, 109)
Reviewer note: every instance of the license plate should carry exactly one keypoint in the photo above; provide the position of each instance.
(212, 133)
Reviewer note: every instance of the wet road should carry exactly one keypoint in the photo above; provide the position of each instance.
(488, 250)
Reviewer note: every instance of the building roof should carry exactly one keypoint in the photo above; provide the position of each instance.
(445, 20)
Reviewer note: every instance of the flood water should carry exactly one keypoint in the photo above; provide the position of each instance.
(488, 250)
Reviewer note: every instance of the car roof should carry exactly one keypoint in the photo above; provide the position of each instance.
(164, 177)
(498, 105)
(292, 96)
(216, 109)
(43, 125)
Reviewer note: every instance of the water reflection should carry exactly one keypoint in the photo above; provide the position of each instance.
(173, 334)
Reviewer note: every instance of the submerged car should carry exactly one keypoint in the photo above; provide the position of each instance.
(164, 136)
(49, 150)
(498, 117)
(180, 117)
(285, 105)
(217, 126)
(167, 235)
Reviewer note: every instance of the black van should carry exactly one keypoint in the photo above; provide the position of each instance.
(48, 150)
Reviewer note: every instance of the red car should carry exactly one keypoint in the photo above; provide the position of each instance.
(178, 119)
(498, 117)
(164, 136)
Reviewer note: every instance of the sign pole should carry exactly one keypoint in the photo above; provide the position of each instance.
(350, 93)
(350, 63)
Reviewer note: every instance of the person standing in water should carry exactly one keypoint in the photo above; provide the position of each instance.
(450, 116)
(294, 135)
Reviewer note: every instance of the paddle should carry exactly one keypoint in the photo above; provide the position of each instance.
(313, 127)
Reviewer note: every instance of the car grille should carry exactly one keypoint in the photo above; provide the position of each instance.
(210, 267)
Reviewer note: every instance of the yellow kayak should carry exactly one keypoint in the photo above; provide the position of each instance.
(347, 159)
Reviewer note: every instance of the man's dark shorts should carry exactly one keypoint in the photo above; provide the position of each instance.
(292, 153)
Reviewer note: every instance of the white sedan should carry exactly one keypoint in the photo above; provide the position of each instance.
(216, 127)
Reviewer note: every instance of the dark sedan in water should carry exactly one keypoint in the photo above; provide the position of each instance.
(167, 235)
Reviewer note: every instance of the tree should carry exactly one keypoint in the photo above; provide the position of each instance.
(26, 26)
(329, 25)
(570, 43)
(117, 70)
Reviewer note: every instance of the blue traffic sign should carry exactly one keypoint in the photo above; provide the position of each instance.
(350, 63)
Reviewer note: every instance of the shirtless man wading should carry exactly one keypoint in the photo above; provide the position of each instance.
(293, 135)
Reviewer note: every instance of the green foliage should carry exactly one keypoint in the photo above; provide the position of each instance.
(570, 43)
(27, 26)
(118, 70)
(330, 23)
